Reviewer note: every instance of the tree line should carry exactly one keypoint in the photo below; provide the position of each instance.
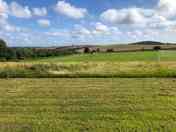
(9, 53)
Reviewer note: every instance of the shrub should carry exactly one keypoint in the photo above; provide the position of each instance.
(98, 50)
(156, 48)
(3, 44)
(86, 50)
(110, 50)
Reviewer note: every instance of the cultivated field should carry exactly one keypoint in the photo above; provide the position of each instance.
(88, 105)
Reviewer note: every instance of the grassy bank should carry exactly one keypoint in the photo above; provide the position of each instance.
(88, 69)
(91, 105)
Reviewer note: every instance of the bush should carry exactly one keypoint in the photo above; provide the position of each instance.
(98, 50)
(3, 44)
(157, 48)
(110, 50)
(86, 50)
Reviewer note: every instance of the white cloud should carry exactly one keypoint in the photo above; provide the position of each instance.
(3, 7)
(86, 32)
(5, 26)
(159, 22)
(10, 28)
(102, 29)
(96, 29)
(146, 34)
(82, 31)
(167, 8)
(57, 33)
(69, 10)
(99, 27)
(124, 16)
(144, 24)
(160, 16)
(44, 22)
(18, 10)
(40, 11)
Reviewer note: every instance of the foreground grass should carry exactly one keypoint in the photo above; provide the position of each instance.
(91, 105)
(88, 69)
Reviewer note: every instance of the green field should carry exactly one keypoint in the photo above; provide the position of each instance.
(114, 57)
(88, 105)
(128, 64)
(131, 69)
(102, 92)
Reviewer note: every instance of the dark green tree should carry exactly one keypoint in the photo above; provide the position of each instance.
(3, 44)
(3, 49)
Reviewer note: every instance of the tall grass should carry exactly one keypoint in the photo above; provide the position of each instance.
(88, 69)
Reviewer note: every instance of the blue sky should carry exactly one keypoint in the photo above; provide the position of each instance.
(66, 22)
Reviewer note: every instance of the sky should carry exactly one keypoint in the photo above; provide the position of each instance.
(45, 23)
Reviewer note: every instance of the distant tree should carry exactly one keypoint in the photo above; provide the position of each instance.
(2, 44)
(3, 49)
(156, 48)
(10, 54)
(93, 51)
(20, 53)
(98, 50)
(110, 50)
(87, 50)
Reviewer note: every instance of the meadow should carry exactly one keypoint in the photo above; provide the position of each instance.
(88, 105)
(163, 55)
(128, 64)
(102, 92)
(88, 70)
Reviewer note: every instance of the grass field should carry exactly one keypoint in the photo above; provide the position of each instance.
(88, 105)
(88, 69)
(104, 92)
(128, 64)
(115, 57)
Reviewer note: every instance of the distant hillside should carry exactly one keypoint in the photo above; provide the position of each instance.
(148, 43)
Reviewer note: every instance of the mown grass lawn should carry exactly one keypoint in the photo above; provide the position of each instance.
(88, 105)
